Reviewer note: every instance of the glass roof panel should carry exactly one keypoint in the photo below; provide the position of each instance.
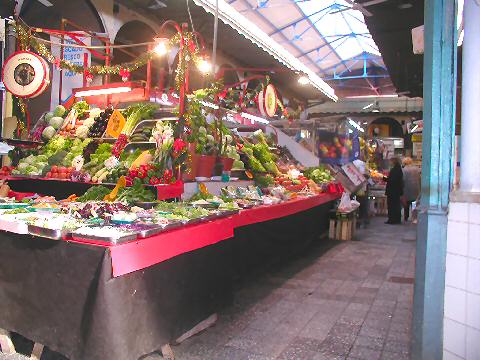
(340, 25)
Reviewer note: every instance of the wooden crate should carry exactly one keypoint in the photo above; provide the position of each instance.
(343, 226)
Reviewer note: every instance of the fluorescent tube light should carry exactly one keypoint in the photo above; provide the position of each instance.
(254, 118)
(106, 91)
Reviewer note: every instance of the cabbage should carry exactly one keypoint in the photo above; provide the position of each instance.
(56, 122)
(49, 132)
(42, 158)
(59, 110)
(29, 159)
(48, 116)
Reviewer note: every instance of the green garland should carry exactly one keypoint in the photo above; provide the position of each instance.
(190, 53)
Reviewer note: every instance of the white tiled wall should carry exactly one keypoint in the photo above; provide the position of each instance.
(462, 283)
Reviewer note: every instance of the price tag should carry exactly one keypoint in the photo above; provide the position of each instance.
(115, 124)
(249, 174)
(203, 189)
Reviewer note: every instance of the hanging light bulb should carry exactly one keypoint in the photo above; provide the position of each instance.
(204, 65)
(303, 80)
(161, 47)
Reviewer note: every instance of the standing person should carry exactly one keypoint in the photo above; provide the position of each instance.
(394, 191)
(411, 185)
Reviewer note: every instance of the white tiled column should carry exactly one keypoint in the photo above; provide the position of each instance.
(462, 283)
(462, 278)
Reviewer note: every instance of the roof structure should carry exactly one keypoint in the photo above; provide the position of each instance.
(369, 105)
(329, 36)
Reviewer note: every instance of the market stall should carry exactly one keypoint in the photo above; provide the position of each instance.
(97, 301)
(94, 255)
(127, 212)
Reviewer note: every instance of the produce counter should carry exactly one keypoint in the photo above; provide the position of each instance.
(122, 301)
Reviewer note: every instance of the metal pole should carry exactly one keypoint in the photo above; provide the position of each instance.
(60, 74)
(215, 33)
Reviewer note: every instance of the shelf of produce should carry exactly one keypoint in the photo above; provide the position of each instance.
(142, 253)
(27, 144)
(62, 188)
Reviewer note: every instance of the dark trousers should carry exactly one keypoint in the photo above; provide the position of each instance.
(406, 210)
(394, 209)
(363, 210)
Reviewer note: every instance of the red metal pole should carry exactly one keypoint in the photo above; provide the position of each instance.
(149, 75)
(106, 79)
(181, 109)
(60, 82)
(161, 81)
(85, 65)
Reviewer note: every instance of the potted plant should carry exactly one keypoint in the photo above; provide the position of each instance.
(203, 159)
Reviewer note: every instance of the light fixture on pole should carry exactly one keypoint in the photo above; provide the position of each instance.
(204, 65)
(161, 46)
(303, 80)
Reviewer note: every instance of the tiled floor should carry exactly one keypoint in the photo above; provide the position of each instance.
(349, 300)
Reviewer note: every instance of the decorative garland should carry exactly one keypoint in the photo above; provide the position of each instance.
(190, 53)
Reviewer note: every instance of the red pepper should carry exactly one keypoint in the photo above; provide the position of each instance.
(133, 173)
(153, 180)
(142, 174)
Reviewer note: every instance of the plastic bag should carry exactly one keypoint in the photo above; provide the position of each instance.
(345, 203)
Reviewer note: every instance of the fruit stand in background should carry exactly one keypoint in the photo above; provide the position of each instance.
(338, 148)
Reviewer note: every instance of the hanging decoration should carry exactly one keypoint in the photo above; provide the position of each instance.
(189, 55)
(25, 74)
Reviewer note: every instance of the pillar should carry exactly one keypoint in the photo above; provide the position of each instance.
(461, 335)
(470, 150)
(439, 89)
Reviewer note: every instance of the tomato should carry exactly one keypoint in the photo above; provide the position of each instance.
(287, 183)
(153, 180)
(141, 174)
(49, 175)
(54, 169)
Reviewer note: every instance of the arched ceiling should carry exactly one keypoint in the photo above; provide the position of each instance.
(328, 36)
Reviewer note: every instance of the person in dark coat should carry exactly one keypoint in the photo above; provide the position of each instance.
(394, 192)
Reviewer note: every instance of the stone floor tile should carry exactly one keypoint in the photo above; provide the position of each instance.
(375, 343)
(386, 355)
(397, 347)
(365, 353)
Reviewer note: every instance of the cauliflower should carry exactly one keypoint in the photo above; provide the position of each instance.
(82, 131)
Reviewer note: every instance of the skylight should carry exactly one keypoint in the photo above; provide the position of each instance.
(343, 27)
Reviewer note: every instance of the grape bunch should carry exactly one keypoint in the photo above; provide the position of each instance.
(119, 145)
(100, 124)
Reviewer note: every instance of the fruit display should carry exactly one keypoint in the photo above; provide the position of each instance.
(97, 129)
(60, 172)
(6, 170)
(336, 148)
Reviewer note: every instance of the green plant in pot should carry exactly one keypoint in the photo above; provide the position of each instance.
(203, 158)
